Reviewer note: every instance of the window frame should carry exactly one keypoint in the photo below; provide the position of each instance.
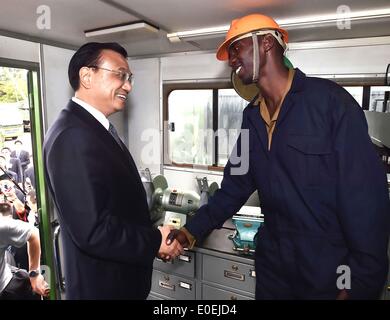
(167, 89)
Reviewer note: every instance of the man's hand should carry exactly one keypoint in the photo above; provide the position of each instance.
(168, 252)
(179, 236)
(40, 286)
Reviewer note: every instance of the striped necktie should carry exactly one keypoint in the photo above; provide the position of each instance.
(114, 133)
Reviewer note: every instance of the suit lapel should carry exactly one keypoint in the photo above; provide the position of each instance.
(129, 157)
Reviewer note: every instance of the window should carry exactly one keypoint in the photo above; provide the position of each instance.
(230, 107)
(378, 95)
(357, 93)
(371, 97)
(191, 123)
(203, 124)
(13, 103)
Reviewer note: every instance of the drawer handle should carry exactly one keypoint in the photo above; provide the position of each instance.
(185, 285)
(164, 261)
(185, 258)
(234, 275)
(233, 298)
(166, 285)
(388, 288)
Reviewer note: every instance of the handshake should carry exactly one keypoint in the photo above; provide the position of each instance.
(172, 244)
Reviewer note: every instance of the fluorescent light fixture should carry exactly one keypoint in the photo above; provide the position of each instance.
(133, 26)
(333, 18)
(204, 33)
(292, 23)
(340, 43)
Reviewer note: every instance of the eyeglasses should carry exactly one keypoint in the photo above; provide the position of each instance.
(123, 75)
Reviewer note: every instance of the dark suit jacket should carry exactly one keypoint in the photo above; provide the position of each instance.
(24, 158)
(29, 173)
(108, 239)
(17, 168)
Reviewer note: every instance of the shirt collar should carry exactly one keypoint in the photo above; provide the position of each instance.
(263, 107)
(93, 111)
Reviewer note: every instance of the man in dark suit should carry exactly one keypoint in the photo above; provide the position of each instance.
(3, 166)
(108, 238)
(29, 180)
(12, 164)
(22, 155)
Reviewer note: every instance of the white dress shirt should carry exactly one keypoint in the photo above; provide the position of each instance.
(99, 116)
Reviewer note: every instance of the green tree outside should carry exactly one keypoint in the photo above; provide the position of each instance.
(13, 86)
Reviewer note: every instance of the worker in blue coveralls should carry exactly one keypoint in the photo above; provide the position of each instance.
(323, 188)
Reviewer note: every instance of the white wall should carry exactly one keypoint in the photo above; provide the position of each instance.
(354, 56)
(19, 49)
(191, 66)
(144, 129)
(56, 88)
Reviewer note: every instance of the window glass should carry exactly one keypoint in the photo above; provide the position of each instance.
(377, 96)
(191, 126)
(230, 107)
(357, 93)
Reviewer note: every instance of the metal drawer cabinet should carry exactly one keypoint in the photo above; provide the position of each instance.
(212, 293)
(182, 265)
(172, 286)
(229, 273)
(154, 297)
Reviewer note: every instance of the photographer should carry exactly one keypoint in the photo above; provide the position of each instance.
(19, 211)
(18, 284)
(12, 164)
(3, 169)
(14, 197)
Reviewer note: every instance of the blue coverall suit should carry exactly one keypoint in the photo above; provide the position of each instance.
(323, 192)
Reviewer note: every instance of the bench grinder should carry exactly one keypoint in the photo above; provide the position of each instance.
(170, 206)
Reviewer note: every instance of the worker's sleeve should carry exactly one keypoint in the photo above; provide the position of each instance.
(236, 187)
(363, 202)
(190, 238)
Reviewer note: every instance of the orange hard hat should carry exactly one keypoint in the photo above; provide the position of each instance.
(248, 24)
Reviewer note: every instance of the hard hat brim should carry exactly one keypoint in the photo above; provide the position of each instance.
(222, 51)
(245, 91)
(249, 91)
